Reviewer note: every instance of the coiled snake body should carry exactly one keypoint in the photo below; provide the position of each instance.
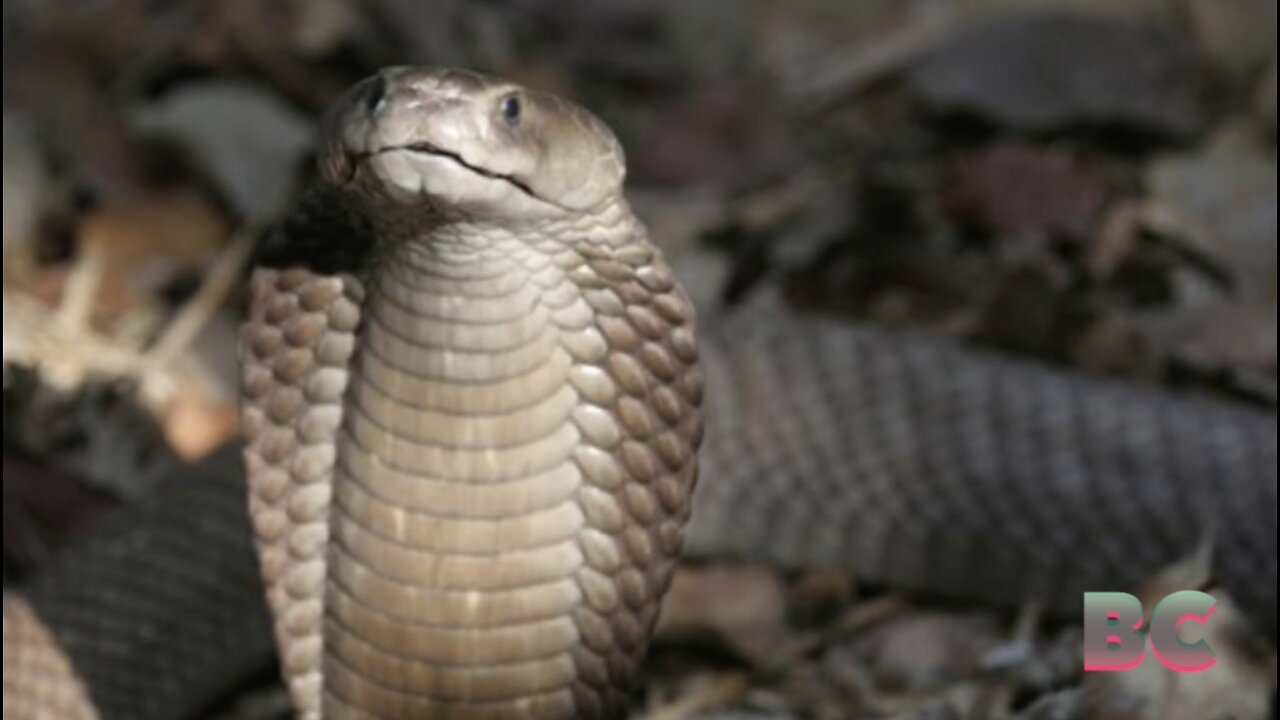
(470, 453)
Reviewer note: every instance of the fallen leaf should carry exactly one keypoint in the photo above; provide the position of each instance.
(147, 240)
(1054, 70)
(1117, 238)
(1024, 316)
(323, 25)
(198, 422)
(1219, 336)
(928, 651)
(1224, 198)
(235, 33)
(204, 411)
(1110, 345)
(423, 31)
(727, 135)
(821, 595)
(625, 43)
(67, 357)
(1015, 187)
(96, 432)
(77, 121)
(1238, 35)
(1061, 705)
(1054, 663)
(244, 138)
(742, 609)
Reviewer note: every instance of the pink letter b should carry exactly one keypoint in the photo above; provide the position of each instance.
(1113, 640)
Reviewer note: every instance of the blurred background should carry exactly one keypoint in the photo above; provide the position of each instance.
(1090, 183)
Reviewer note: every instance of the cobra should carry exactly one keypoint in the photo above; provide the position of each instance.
(471, 457)
(466, 256)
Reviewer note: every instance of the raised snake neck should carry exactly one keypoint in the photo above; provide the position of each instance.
(917, 464)
(471, 459)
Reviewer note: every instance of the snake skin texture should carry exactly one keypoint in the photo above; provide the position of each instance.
(157, 613)
(789, 461)
(296, 349)
(470, 468)
(922, 465)
(38, 678)
(505, 523)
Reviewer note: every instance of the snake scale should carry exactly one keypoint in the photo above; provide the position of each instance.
(472, 409)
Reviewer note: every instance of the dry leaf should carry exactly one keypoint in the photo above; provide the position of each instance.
(1028, 71)
(1219, 336)
(246, 140)
(926, 652)
(197, 422)
(1015, 187)
(149, 240)
(742, 609)
(1224, 199)
(1238, 35)
(728, 135)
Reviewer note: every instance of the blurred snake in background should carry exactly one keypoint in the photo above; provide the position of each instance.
(474, 399)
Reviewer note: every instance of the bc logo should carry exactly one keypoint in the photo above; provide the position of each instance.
(1113, 638)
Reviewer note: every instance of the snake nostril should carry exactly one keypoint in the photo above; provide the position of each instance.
(377, 95)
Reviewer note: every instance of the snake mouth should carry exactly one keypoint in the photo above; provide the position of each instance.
(426, 148)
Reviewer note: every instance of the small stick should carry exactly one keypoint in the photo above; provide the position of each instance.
(198, 311)
(1024, 632)
(83, 284)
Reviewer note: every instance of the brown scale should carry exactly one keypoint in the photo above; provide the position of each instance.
(295, 350)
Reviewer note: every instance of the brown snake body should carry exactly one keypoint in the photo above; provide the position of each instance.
(470, 464)
(470, 458)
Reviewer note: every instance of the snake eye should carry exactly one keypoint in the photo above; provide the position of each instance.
(511, 109)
